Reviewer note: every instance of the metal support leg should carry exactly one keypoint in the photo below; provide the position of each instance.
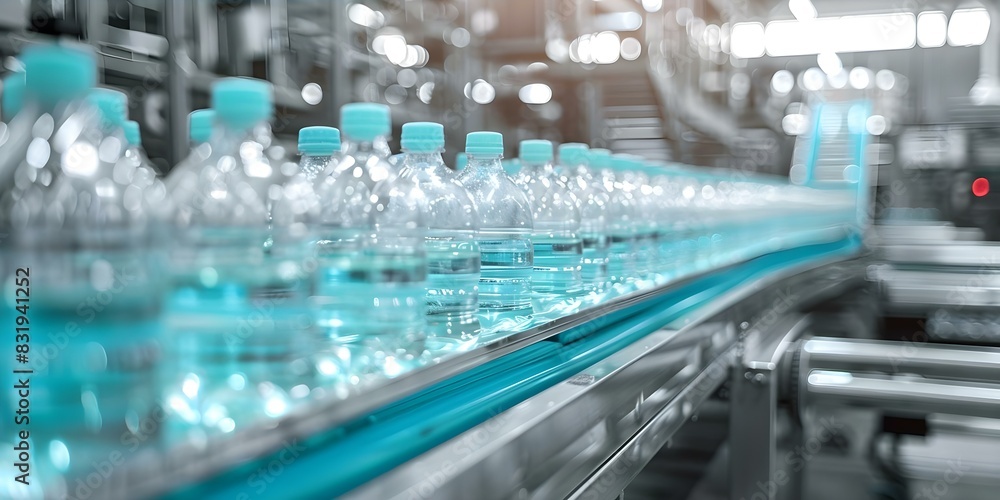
(754, 471)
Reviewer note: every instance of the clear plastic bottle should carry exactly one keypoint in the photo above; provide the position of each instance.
(201, 126)
(631, 179)
(240, 329)
(461, 161)
(320, 148)
(555, 237)
(451, 224)
(370, 297)
(671, 220)
(504, 229)
(592, 201)
(135, 153)
(621, 220)
(512, 167)
(13, 95)
(82, 247)
(201, 123)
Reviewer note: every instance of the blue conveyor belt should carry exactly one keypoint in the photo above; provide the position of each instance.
(343, 458)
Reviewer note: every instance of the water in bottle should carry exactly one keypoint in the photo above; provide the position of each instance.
(461, 161)
(451, 223)
(13, 95)
(555, 237)
(621, 220)
(592, 201)
(240, 329)
(370, 298)
(83, 278)
(505, 227)
(319, 147)
(629, 177)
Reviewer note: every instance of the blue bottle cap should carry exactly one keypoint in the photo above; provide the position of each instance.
(600, 158)
(112, 104)
(422, 137)
(461, 160)
(56, 73)
(13, 95)
(536, 151)
(364, 121)
(132, 133)
(319, 141)
(241, 103)
(573, 153)
(511, 166)
(200, 123)
(484, 143)
(624, 162)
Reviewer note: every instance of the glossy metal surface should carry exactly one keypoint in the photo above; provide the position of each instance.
(925, 360)
(902, 393)
(589, 435)
(154, 474)
(974, 254)
(756, 382)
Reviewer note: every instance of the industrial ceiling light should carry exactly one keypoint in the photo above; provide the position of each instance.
(968, 27)
(747, 40)
(535, 93)
(932, 29)
(830, 63)
(803, 10)
(824, 34)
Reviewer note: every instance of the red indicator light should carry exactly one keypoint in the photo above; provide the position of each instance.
(981, 187)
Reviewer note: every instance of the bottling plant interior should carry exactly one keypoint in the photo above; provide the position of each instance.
(499, 249)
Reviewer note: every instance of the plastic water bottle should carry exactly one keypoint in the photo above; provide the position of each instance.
(370, 297)
(671, 220)
(239, 325)
(13, 95)
(511, 166)
(201, 122)
(620, 218)
(319, 147)
(135, 153)
(504, 229)
(555, 238)
(451, 223)
(592, 201)
(11, 102)
(630, 179)
(461, 161)
(83, 263)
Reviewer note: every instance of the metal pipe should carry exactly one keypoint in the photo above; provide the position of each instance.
(929, 360)
(986, 91)
(911, 395)
(178, 64)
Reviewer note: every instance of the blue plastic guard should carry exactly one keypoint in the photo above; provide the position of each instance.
(336, 461)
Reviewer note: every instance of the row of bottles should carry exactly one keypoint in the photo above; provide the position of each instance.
(244, 284)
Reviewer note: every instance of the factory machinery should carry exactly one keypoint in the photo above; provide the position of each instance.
(782, 376)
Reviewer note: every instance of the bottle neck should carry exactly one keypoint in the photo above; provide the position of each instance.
(423, 159)
(312, 165)
(378, 146)
(485, 163)
(538, 168)
(259, 133)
